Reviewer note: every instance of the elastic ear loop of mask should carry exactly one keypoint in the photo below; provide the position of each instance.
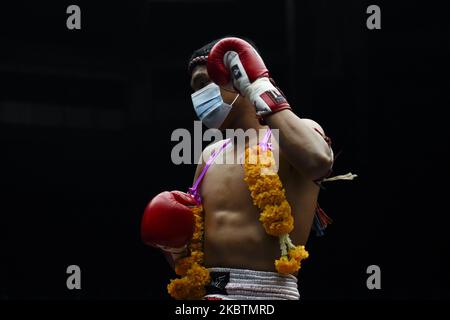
(233, 92)
(237, 96)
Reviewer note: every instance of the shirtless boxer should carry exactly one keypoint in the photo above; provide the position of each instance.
(238, 252)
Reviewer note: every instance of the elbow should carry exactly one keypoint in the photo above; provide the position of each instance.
(320, 166)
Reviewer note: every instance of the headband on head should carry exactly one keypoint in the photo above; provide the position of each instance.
(196, 61)
(200, 56)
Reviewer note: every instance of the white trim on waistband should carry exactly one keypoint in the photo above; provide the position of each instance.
(245, 284)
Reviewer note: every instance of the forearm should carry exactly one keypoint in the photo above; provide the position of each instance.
(304, 148)
(234, 59)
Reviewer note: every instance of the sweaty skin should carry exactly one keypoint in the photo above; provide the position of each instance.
(234, 236)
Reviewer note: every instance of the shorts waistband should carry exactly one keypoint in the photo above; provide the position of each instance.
(245, 284)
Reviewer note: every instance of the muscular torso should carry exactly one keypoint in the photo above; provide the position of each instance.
(234, 237)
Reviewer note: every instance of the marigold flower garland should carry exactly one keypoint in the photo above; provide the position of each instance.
(269, 196)
(194, 275)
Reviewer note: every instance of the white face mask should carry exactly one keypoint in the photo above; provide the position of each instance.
(210, 107)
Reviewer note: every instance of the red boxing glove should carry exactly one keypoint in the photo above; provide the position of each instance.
(236, 60)
(168, 222)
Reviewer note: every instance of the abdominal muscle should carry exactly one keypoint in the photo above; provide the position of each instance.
(233, 241)
(234, 236)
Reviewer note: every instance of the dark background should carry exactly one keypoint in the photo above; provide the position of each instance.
(86, 117)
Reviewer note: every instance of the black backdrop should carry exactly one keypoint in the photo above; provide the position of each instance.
(86, 118)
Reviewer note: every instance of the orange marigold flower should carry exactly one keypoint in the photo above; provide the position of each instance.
(268, 197)
(192, 285)
(279, 228)
(195, 246)
(286, 266)
(179, 288)
(298, 253)
(198, 275)
(183, 265)
(197, 256)
(197, 235)
(277, 220)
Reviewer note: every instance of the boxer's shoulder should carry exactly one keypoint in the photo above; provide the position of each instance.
(209, 149)
(206, 154)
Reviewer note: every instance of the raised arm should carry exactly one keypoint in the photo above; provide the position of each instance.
(233, 60)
